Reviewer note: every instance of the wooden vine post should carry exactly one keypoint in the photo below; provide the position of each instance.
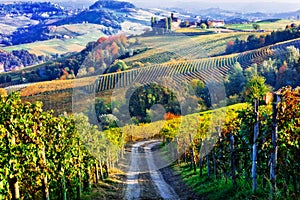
(201, 158)
(79, 189)
(232, 159)
(64, 188)
(274, 144)
(45, 180)
(207, 158)
(14, 182)
(254, 152)
(193, 163)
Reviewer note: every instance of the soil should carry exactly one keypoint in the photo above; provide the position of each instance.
(146, 182)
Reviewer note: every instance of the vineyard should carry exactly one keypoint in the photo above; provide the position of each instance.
(182, 46)
(214, 145)
(218, 153)
(207, 69)
(211, 69)
(47, 157)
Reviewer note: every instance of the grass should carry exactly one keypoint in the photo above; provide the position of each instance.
(212, 188)
(192, 30)
(107, 189)
(81, 33)
(264, 25)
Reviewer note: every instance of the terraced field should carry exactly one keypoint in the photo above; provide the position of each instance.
(185, 47)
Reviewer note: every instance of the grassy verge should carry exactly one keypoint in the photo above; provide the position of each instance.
(110, 188)
(212, 188)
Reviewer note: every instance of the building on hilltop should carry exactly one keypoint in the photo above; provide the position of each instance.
(166, 24)
(198, 22)
(216, 23)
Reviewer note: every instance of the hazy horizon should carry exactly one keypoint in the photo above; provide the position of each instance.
(268, 6)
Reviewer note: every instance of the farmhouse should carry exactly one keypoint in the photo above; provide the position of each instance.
(1, 67)
(216, 23)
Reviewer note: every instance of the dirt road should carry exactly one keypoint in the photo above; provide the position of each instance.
(145, 180)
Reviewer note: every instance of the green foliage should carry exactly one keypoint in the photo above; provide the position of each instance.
(255, 88)
(117, 66)
(235, 81)
(145, 97)
(203, 26)
(293, 55)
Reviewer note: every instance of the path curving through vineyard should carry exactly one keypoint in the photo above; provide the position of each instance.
(146, 181)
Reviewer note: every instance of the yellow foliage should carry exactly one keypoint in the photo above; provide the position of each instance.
(3, 92)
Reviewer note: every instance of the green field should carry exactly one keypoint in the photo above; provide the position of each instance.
(264, 25)
(81, 34)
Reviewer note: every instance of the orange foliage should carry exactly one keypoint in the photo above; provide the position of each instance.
(123, 39)
(101, 39)
(230, 43)
(169, 116)
(114, 49)
(283, 68)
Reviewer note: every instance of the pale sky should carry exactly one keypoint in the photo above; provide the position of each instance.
(236, 5)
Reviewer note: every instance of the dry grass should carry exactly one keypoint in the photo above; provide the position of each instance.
(56, 85)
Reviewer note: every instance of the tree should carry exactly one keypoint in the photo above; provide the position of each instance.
(255, 88)
(118, 65)
(187, 23)
(108, 121)
(170, 23)
(230, 47)
(235, 81)
(152, 21)
(203, 26)
(268, 69)
(256, 26)
(292, 55)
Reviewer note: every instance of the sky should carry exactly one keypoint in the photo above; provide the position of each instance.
(233, 5)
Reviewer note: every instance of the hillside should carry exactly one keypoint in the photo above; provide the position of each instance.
(30, 22)
(18, 59)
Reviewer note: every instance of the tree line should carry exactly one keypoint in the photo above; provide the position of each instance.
(254, 42)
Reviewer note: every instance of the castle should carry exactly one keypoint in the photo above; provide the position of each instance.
(172, 23)
(166, 24)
